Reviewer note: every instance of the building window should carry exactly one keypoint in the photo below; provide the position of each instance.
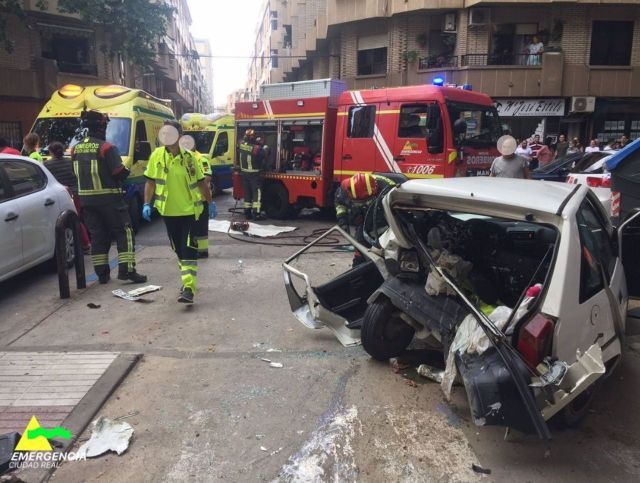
(72, 50)
(286, 41)
(372, 61)
(361, 121)
(274, 58)
(611, 43)
(273, 18)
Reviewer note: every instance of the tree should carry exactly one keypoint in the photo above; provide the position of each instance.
(12, 7)
(133, 26)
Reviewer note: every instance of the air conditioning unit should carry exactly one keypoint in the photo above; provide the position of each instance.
(449, 23)
(583, 104)
(479, 17)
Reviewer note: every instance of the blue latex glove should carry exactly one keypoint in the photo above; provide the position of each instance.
(146, 212)
(213, 210)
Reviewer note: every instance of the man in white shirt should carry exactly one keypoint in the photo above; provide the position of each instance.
(524, 150)
(593, 147)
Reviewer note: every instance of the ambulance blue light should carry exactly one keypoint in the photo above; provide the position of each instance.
(467, 87)
(438, 81)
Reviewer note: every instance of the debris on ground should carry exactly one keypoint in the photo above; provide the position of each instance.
(410, 382)
(254, 229)
(274, 350)
(432, 373)
(106, 435)
(262, 448)
(277, 365)
(212, 348)
(91, 305)
(480, 469)
(397, 364)
(265, 360)
(135, 294)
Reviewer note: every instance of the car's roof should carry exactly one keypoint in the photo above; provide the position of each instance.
(540, 196)
(15, 156)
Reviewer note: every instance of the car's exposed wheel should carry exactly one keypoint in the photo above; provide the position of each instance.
(575, 412)
(275, 200)
(384, 334)
(68, 250)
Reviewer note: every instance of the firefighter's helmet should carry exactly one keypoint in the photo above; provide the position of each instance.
(94, 120)
(360, 186)
(249, 134)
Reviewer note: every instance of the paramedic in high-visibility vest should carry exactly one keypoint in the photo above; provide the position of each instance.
(100, 172)
(352, 200)
(252, 161)
(177, 186)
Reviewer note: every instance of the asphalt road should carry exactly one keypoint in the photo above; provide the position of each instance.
(206, 407)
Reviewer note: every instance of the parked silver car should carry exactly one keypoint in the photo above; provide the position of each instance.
(30, 202)
(519, 283)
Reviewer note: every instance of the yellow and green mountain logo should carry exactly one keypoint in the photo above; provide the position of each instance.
(36, 438)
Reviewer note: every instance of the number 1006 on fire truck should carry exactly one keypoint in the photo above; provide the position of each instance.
(318, 133)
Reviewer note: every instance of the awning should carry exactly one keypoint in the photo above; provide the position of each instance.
(624, 153)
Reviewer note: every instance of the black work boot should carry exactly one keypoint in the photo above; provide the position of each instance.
(186, 296)
(258, 216)
(104, 278)
(133, 277)
(247, 214)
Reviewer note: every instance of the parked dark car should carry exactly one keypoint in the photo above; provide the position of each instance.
(560, 168)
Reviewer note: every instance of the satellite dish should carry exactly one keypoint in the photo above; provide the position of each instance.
(168, 135)
(507, 145)
(187, 142)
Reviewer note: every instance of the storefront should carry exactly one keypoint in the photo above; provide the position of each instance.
(526, 117)
(614, 118)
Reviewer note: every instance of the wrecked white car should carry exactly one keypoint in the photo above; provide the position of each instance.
(520, 284)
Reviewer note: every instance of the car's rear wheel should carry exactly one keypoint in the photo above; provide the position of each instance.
(384, 334)
(578, 409)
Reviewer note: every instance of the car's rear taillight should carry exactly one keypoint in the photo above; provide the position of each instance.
(534, 341)
(598, 182)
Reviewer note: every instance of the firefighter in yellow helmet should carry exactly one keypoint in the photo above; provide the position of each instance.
(352, 200)
(252, 162)
(177, 186)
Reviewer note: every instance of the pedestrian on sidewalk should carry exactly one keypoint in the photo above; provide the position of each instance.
(31, 145)
(524, 150)
(561, 146)
(6, 149)
(593, 147)
(535, 146)
(510, 164)
(545, 153)
(176, 185)
(575, 147)
(100, 173)
(62, 170)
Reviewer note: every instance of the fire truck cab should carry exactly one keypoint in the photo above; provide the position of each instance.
(318, 133)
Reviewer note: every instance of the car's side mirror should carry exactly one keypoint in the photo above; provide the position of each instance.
(142, 151)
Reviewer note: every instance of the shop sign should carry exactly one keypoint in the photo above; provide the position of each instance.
(530, 107)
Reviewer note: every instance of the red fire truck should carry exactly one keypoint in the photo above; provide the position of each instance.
(315, 141)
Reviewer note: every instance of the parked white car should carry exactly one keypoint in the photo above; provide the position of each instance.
(30, 202)
(520, 284)
(598, 179)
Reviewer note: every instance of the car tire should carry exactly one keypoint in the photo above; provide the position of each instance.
(135, 212)
(577, 410)
(69, 251)
(275, 201)
(384, 334)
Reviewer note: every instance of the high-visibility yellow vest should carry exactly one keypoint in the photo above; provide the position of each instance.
(157, 170)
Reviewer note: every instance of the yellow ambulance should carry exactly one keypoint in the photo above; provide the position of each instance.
(215, 138)
(136, 117)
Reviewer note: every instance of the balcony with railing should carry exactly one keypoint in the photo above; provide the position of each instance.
(479, 60)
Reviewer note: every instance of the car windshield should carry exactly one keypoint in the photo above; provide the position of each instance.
(203, 139)
(483, 123)
(589, 160)
(563, 162)
(67, 129)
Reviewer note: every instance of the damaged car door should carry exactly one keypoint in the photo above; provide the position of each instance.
(340, 303)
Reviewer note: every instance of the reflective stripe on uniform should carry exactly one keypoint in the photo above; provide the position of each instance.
(103, 191)
(95, 176)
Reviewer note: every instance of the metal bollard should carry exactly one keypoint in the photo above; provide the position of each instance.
(69, 220)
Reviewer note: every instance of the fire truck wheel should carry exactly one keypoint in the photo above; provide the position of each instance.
(276, 202)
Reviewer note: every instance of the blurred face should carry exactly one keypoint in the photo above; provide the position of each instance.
(575, 141)
(593, 143)
(523, 144)
(535, 39)
(562, 138)
(536, 138)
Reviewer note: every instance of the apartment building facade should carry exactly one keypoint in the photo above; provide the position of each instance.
(585, 83)
(203, 47)
(52, 50)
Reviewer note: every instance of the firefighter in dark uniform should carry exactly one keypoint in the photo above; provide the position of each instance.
(100, 172)
(252, 161)
(353, 198)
